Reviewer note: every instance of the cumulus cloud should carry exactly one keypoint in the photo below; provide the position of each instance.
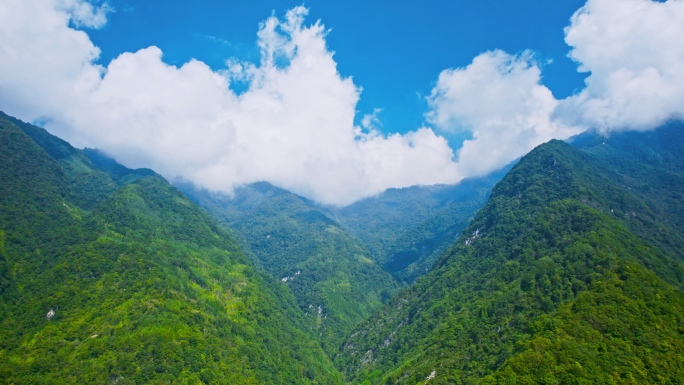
(634, 53)
(293, 126)
(84, 14)
(372, 121)
(500, 102)
(44, 64)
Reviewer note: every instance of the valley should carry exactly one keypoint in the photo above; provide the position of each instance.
(566, 266)
(341, 193)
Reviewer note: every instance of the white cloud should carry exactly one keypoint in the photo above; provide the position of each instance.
(44, 64)
(634, 51)
(372, 121)
(498, 100)
(84, 14)
(293, 126)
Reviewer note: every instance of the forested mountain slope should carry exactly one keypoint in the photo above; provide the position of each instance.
(547, 285)
(651, 166)
(126, 281)
(407, 229)
(336, 283)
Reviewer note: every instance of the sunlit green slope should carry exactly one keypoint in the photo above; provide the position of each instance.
(126, 281)
(336, 283)
(546, 286)
(650, 166)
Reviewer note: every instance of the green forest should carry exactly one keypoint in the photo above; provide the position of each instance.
(547, 285)
(565, 268)
(332, 275)
(132, 283)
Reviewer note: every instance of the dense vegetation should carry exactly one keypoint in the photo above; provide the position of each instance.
(650, 166)
(572, 272)
(547, 285)
(407, 229)
(115, 277)
(329, 271)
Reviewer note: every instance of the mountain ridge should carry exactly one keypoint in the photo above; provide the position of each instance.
(142, 286)
(407, 229)
(538, 244)
(572, 271)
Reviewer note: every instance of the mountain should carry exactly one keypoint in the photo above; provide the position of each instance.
(110, 275)
(651, 166)
(571, 272)
(407, 229)
(336, 283)
(548, 284)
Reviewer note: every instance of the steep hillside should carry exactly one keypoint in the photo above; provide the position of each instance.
(547, 285)
(335, 282)
(651, 166)
(131, 284)
(407, 229)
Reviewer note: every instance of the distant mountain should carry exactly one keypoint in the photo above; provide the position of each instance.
(110, 275)
(407, 229)
(548, 284)
(330, 272)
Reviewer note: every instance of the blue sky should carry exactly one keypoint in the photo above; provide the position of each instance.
(223, 93)
(394, 50)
